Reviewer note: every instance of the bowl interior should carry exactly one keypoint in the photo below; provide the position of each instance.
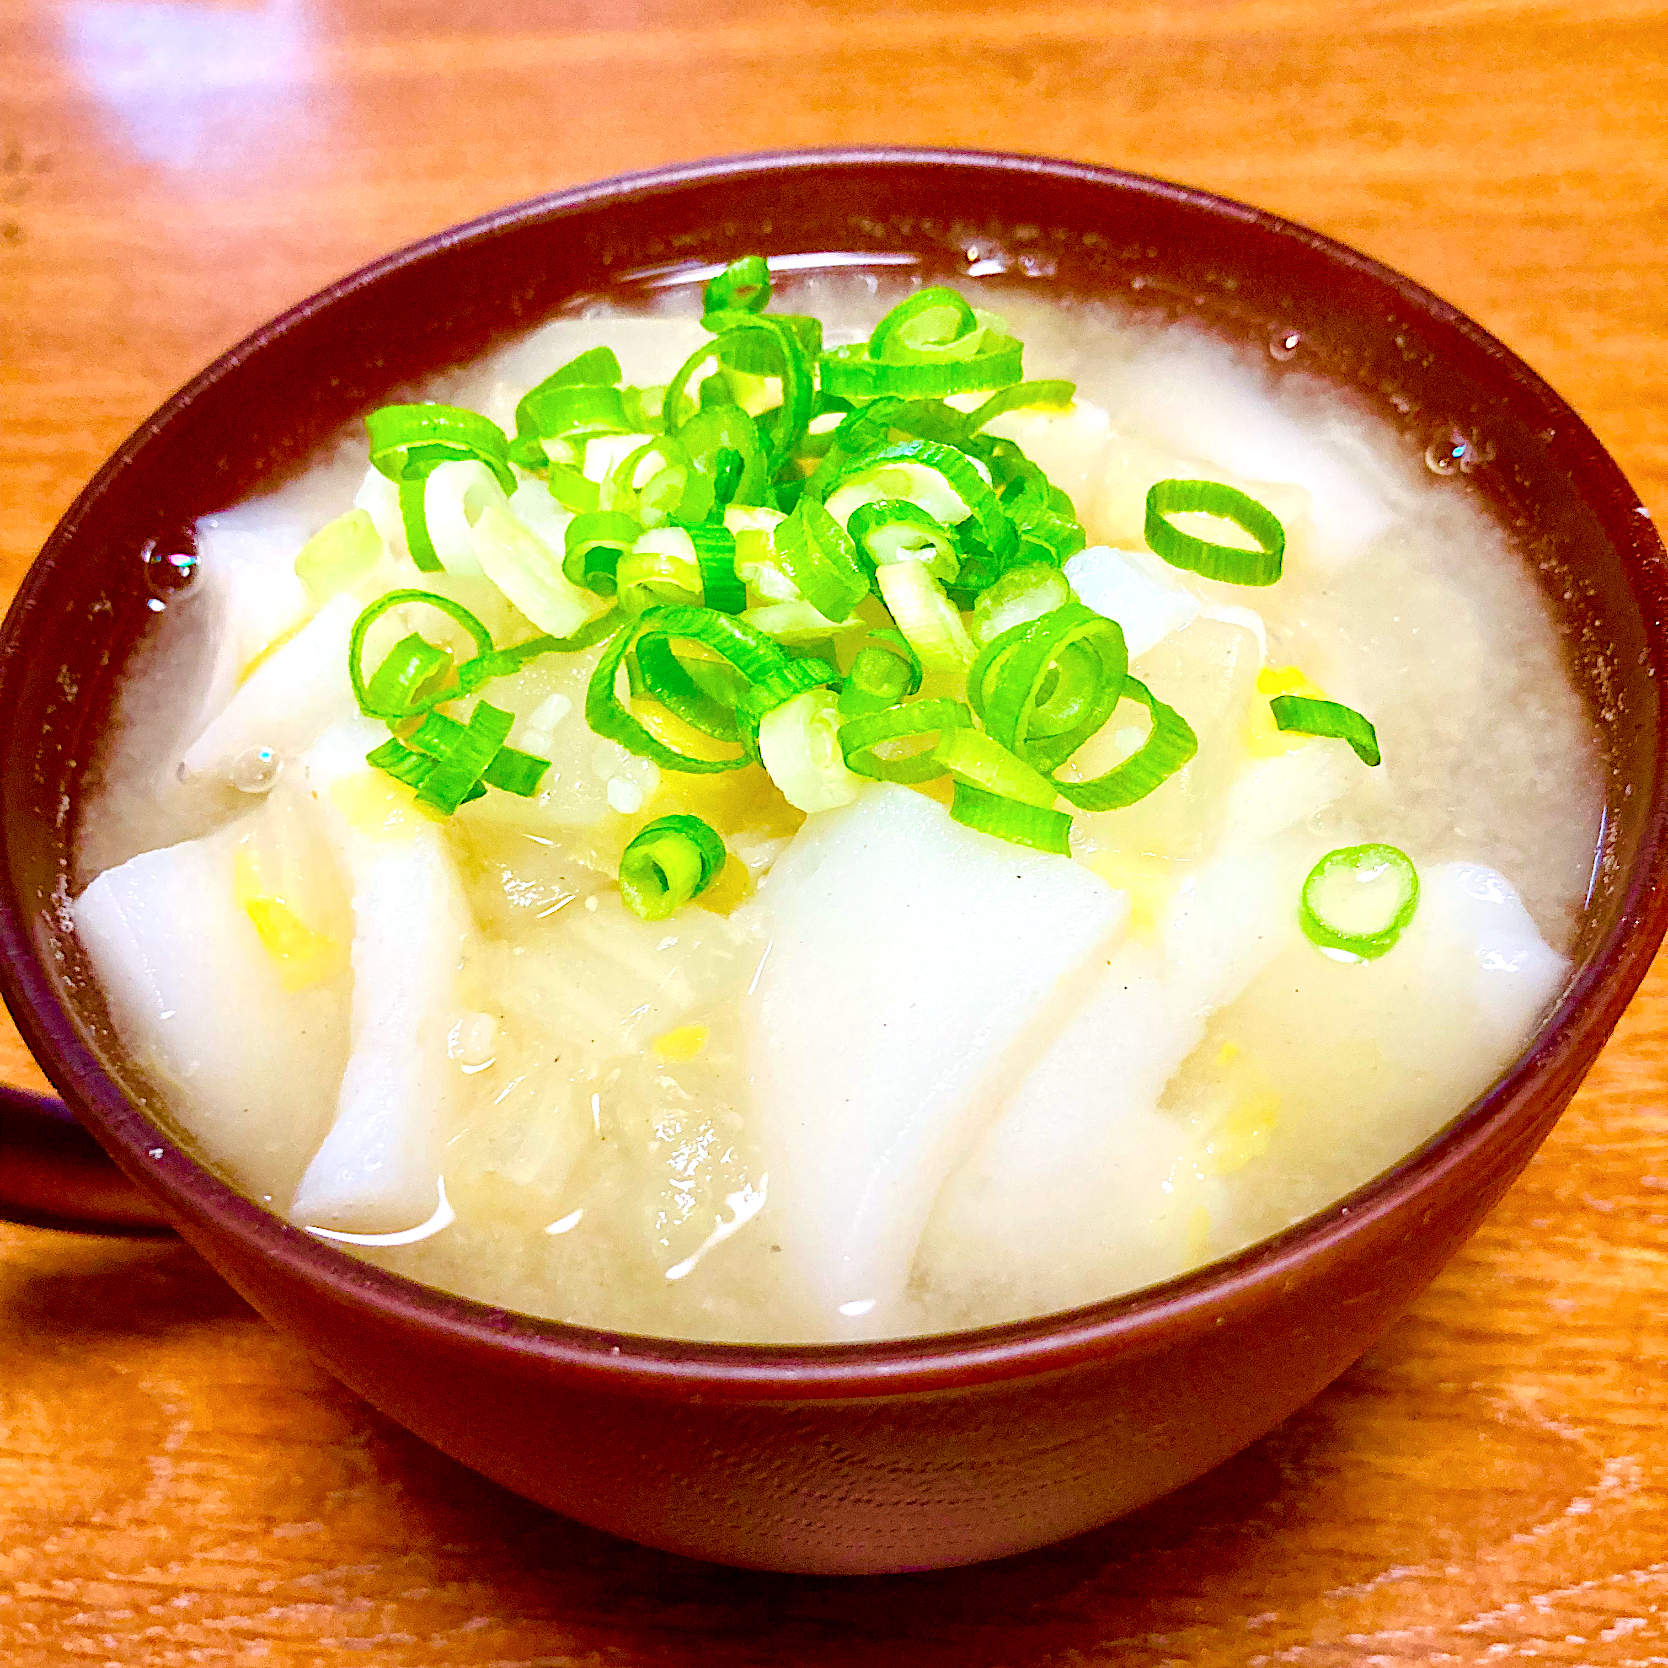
(1070, 231)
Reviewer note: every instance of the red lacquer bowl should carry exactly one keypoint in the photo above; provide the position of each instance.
(897, 1455)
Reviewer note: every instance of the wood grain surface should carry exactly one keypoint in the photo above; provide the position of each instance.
(178, 1484)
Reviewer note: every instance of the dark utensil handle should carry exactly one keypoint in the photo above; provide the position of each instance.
(53, 1174)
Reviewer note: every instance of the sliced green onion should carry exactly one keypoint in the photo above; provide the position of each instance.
(778, 340)
(595, 366)
(883, 672)
(926, 722)
(396, 710)
(658, 483)
(528, 572)
(574, 411)
(594, 543)
(800, 750)
(931, 325)
(744, 285)
(1215, 561)
(715, 552)
(1021, 594)
(671, 861)
(849, 373)
(1367, 866)
(1022, 396)
(513, 771)
(1170, 744)
(798, 622)
(410, 674)
(408, 441)
(395, 759)
(1044, 687)
(457, 755)
(1012, 820)
(933, 628)
(877, 423)
(982, 762)
(570, 489)
(726, 430)
(750, 653)
(660, 570)
(821, 560)
(413, 517)
(1303, 716)
(942, 480)
(534, 414)
(340, 556)
(895, 530)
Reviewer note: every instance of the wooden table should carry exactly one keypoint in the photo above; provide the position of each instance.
(180, 1485)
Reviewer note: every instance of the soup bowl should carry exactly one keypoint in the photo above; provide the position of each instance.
(915, 1452)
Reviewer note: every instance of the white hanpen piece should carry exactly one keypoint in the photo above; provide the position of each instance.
(376, 1170)
(250, 1066)
(917, 968)
(1081, 1171)
(290, 699)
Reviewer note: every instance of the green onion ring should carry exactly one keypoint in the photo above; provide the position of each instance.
(1303, 716)
(743, 286)
(454, 611)
(821, 560)
(1022, 396)
(1043, 687)
(894, 529)
(750, 652)
(1012, 820)
(1373, 858)
(1169, 745)
(667, 863)
(929, 327)
(859, 737)
(849, 373)
(715, 550)
(411, 441)
(414, 518)
(593, 543)
(983, 762)
(883, 672)
(1215, 561)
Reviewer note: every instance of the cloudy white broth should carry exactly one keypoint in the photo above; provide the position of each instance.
(834, 838)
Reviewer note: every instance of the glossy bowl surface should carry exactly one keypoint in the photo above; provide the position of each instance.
(914, 1453)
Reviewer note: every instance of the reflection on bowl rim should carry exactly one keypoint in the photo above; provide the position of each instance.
(1131, 1324)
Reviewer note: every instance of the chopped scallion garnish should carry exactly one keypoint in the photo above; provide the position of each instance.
(1215, 561)
(1012, 819)
(671, 861)
(1304, 716)
(1327, 911)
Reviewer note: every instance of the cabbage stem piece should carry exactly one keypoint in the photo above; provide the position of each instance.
(289, 699)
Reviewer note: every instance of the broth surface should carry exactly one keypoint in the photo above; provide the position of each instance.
(603, 1150)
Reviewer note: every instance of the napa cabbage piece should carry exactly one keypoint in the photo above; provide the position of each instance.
(226, 994)
(291, 697)
(378, 1168)
(916, 969)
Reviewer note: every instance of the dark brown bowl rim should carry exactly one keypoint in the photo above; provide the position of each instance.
(1130, 1324)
